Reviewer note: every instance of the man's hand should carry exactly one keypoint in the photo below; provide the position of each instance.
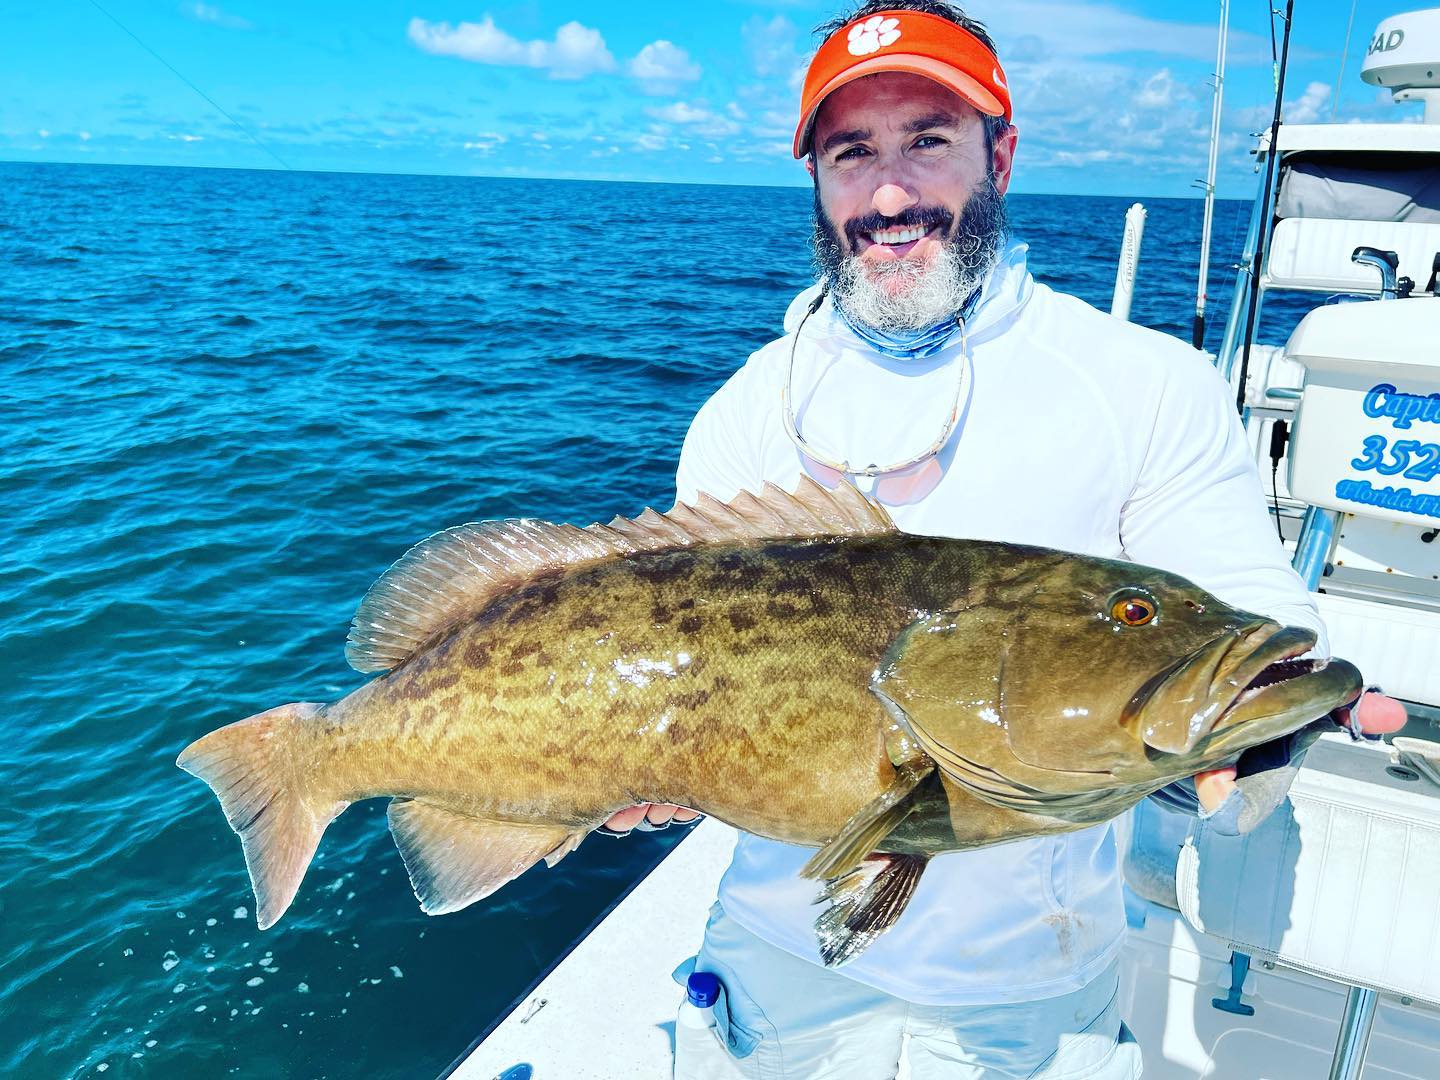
(653, 815)
(1373, 714)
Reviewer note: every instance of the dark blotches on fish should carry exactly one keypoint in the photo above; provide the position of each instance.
(692, 699)
(587, 620)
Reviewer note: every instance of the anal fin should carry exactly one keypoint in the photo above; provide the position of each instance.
(455, 859)
(864, 904)
(868, 826)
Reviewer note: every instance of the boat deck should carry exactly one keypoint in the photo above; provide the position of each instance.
(608, 1010)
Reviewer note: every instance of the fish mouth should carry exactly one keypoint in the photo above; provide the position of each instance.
(1244, 687)
(1284, 696)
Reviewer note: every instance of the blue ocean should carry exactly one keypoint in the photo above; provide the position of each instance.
(230, 400)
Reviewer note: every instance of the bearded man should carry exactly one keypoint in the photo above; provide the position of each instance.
(931, 370)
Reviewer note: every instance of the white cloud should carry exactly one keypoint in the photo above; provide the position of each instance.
(43, 133)
(662, 66)
(485, 142)
(576, 52)
(651, 142)
(1159, 91)
(1307, 109)
(211, 14)
(698, 118)
(186, 138)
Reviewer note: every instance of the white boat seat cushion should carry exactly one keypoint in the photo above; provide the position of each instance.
(1314, 253)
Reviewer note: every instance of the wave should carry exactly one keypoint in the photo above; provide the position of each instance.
(438, 265)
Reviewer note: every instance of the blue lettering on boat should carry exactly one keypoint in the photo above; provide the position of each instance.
(1362, 491)
(1384, 399)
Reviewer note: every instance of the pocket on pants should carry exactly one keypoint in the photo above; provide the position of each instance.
(742, 1030)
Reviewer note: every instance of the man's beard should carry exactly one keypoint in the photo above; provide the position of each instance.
(911, 294)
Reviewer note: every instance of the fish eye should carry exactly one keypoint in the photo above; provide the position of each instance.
(1133, 608)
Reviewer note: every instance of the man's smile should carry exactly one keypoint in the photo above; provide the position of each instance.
(884, 245)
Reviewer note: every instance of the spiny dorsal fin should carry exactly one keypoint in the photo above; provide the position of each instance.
(456, 573)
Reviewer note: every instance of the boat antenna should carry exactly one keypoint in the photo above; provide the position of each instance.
(206, 97)
(1263, 210)
(1198, 335)
(1344, 55)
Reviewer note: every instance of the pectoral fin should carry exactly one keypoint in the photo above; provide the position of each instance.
(868, 826)
(864, 904)
(454, 859)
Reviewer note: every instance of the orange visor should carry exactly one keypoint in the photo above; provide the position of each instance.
(910, 41)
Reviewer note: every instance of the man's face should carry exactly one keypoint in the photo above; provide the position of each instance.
(909, 207)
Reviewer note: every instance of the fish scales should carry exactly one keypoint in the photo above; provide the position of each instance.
(733, 679)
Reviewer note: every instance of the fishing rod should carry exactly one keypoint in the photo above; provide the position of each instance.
(1198, 334)
(1263, 210)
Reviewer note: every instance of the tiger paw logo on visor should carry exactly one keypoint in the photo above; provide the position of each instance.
(874, 32)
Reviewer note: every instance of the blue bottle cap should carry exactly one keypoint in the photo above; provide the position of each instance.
(702, 989)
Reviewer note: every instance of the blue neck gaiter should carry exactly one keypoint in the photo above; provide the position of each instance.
(912, 344)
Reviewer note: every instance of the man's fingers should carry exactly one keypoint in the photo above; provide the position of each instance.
(653, 815)
(1377, 714)
(625, 820)
(1214, 787)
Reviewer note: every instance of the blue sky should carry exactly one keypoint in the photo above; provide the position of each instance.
(1110, 98)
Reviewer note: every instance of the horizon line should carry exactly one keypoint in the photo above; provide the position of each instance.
(555, 179)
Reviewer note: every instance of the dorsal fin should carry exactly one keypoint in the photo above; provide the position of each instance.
(456, 573)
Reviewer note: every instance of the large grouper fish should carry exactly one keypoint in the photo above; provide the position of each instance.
(791, 664)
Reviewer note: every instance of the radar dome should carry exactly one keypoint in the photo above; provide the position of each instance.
(1404, 57)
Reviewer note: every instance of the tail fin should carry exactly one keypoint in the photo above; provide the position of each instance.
(250, 765)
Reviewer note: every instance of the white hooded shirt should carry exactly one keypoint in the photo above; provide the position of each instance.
(1078, 431)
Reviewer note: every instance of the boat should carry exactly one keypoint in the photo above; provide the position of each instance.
(1311, 946)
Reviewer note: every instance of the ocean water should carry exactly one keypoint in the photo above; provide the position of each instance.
(229, 401)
